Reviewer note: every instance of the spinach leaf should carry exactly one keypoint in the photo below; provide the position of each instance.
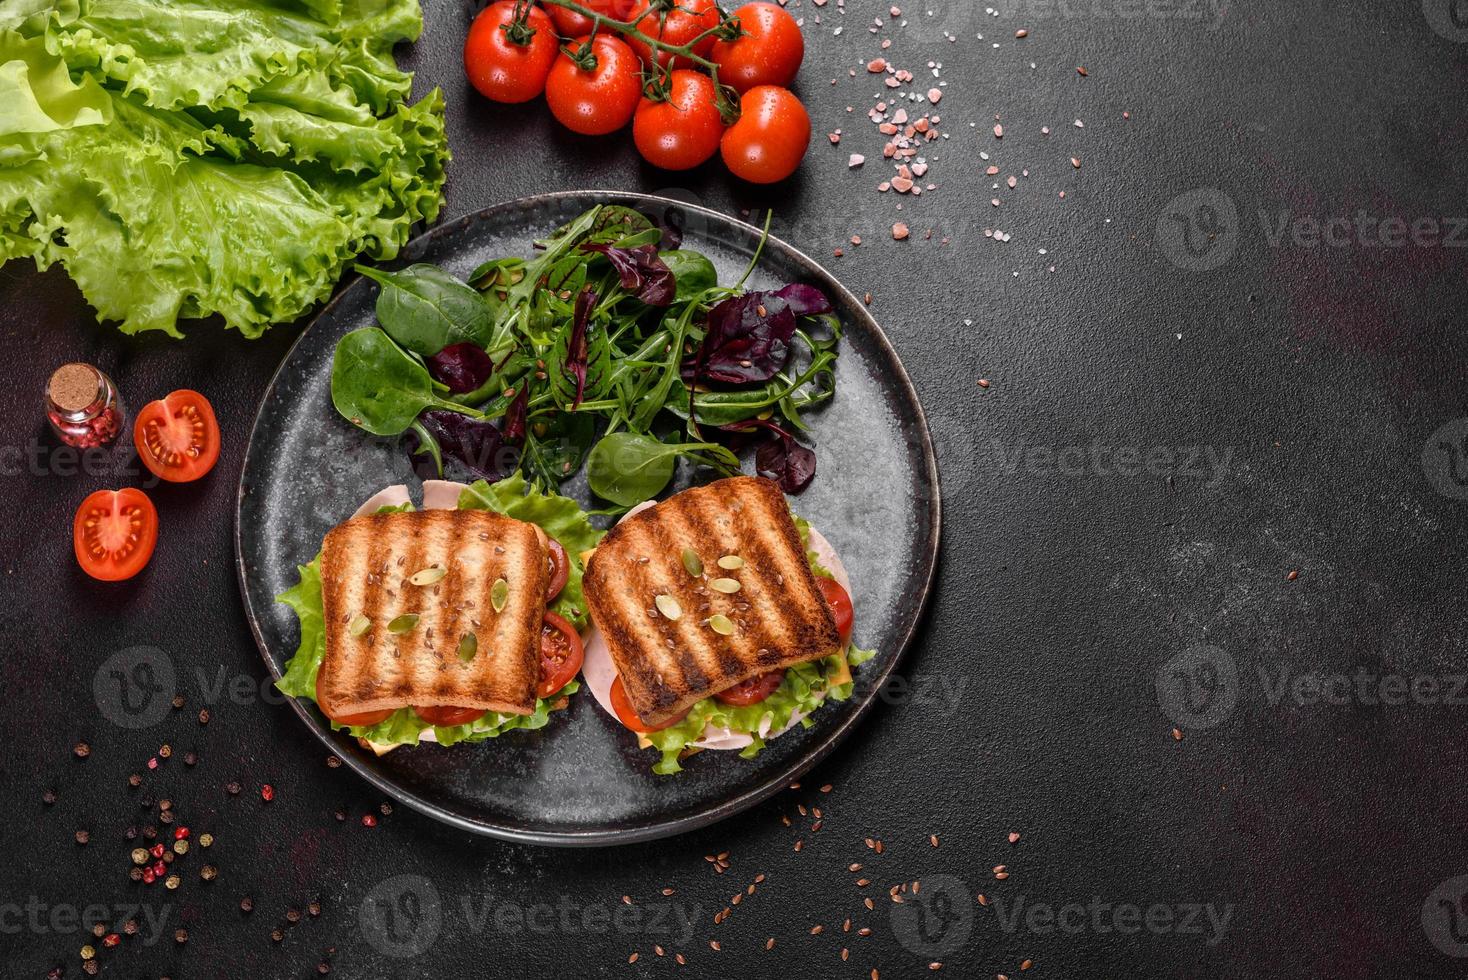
(630, 467)
(693, 272)
(376, 386)
(425, 310)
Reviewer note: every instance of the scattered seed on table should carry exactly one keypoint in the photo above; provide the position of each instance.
(82, 750)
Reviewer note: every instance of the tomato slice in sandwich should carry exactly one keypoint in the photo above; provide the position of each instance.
(623, 707)
(754, 690)
(114, 533)
(362, 720)
(561, 653)
(840, 603)
(447, 716)
(560, 569)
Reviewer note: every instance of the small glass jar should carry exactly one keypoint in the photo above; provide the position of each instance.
(83, 406)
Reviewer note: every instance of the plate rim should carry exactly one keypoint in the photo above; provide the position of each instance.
(771, 784)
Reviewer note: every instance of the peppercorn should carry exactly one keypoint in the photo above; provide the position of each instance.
(386, 809)
(332, 762)
(203, 716)
(48, 797)
(180, 935)
(180, 833)
(180, 847)
(99, 930)
(267, 792)
(247, 904)
(148, 876)
(140, 855)
(136, 874)
(232, 788)
(368, 820)
(156, 850)
(131, 833)
(111, 939)
(205, 840)
(82, 750)
(323, 968)
(166, 817)
(277, 934)
(130, 927)
(159, 869)
(178, 700)
(135, 780)
(165, 750)
(341, 815)
(165, 804)
(150, 832)
(171, 882)
(88, 952)
(190, 758)
(208, 872)
(91, 967)
(314, 908)
(82, 836)
(293, 916)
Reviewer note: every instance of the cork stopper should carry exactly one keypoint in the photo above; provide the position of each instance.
(74, 387)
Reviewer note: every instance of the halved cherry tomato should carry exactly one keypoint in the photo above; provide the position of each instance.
(840, 604)
(768, 52)
(571, 24)
(599, 99)
(623, 707)
(447, 716)
(498, 64)
(361, 720)
(769, 140)
(114, 533)
(560, 654)
(683, 131)
(560, 569)
(177, 437)
(675, 22)
(754, 690)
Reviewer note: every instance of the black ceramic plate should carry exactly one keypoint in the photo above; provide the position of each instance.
(581, 780)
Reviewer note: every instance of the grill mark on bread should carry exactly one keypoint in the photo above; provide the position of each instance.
(741, 515)
(404, 669)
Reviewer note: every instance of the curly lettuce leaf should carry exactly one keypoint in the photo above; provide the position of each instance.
(182, 158)
(404, 727)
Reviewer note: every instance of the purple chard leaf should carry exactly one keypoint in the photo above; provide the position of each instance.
(463, 367)
(577, 347)
(641, 271)
(780, 457)
(475, 443)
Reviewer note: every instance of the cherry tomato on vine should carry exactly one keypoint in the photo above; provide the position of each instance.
(675, 22)
(506, 60)
(682, 131)
(596, 100)
(768, 52)
(114, 533)
(569, 23)
(769, 140)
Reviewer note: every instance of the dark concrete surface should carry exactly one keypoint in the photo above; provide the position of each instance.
(1206, 395)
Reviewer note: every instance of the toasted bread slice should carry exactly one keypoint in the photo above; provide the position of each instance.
(669, 654)
(368, 565)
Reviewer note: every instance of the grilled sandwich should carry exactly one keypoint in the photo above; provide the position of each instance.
(432, 608)
(703, 591)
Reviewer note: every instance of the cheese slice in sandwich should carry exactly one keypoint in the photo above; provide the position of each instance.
(432, 608)
(703, 591)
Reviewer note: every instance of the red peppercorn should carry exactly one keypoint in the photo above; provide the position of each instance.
(179, 833)
(153, 762)
(157, 850)
(112, 939)
(368, 820)
(160, 868)
(148, 876)
(267, 792)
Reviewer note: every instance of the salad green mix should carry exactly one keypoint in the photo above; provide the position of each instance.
(182, 158)
(558, 516)
(612, 347)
